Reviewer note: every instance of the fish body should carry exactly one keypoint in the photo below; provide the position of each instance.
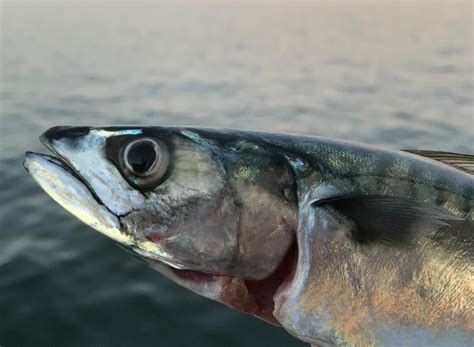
(339, 243)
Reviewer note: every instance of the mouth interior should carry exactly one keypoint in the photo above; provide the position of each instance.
(254, 297)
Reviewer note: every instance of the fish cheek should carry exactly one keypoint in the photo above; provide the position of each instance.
(197, 233)
(204, 234)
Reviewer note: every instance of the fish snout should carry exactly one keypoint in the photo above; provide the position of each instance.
(60, 132)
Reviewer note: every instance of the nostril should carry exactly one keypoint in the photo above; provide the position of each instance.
(58, 132)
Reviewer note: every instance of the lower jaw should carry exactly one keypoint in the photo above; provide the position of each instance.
(254, 297)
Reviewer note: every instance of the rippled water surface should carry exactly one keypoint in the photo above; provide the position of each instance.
(398, 75)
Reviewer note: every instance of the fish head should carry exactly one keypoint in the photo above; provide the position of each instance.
(212, 212)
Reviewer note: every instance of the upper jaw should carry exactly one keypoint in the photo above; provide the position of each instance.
(67, 189)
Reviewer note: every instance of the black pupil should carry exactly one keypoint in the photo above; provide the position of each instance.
(141, 156)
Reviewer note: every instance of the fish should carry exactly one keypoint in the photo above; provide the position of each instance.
(339, 243)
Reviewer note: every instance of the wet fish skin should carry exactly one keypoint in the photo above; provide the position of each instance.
(384, 238)
(370, 275)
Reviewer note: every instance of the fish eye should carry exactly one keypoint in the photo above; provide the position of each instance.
(146, 161)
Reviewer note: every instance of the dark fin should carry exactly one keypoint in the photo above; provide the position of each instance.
(391, 220)
(463, 162)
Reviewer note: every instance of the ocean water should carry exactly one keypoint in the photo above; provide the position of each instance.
(393, 74)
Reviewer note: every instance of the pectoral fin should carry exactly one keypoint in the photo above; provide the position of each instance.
(388, 219)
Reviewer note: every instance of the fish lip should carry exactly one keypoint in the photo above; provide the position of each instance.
(56, 161)
(30, 154)
(62, 184)
(61, 162)
(46, 139)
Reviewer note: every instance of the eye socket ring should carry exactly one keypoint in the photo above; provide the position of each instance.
(145, 161)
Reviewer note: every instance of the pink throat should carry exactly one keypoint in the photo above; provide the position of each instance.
(254, 297)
